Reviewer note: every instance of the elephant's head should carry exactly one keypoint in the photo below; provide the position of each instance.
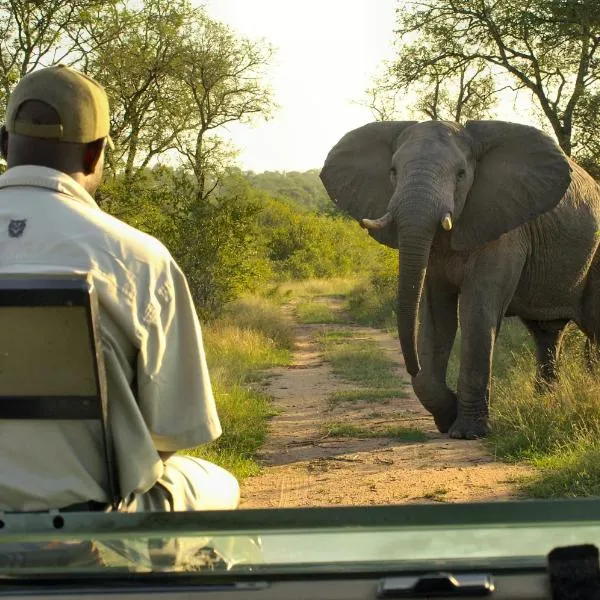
(408, 181)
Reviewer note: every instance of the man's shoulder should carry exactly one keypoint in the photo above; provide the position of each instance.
(132, 242)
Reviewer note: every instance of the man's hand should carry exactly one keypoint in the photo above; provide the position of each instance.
(164, 456)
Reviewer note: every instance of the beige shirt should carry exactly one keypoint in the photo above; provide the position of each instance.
(149, 327)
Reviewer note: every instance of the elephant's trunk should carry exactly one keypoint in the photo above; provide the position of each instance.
(414, 246)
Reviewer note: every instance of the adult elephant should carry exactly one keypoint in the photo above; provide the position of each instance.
(493, 212)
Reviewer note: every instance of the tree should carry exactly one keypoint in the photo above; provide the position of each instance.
(40, 33)
(140, 73)
(445, 90)
(587, 123)
(548, 48)
(223, 78)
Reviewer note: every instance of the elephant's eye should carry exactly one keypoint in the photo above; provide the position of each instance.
(460, 175)
(393, 173)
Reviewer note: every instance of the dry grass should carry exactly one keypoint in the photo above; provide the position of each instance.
(251, 338)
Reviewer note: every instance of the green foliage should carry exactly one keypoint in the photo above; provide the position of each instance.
(374, 301)
(587, 123)
(308, 245)
(174, 76)
(242, 239)
(304, 190)
(136, 58)
(41, 33)
(221, 252)
(546, 48)
(217, 245)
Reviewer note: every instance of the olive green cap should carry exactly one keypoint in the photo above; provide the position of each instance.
(80, 102)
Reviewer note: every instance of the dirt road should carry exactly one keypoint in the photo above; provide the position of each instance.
(303, 466)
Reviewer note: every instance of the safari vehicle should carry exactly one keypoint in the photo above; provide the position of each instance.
(518, 550)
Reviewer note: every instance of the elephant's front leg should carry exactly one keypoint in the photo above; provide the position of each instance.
(437, 330)
(488, 286)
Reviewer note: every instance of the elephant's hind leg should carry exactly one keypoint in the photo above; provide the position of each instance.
(592, 355)
(548, 337)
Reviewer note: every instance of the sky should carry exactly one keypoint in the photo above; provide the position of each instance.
(327, 54)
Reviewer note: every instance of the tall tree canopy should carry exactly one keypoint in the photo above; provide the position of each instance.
(457, 53)
(174, 76)
(41, 33)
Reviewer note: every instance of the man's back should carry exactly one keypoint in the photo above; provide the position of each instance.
(48, 223)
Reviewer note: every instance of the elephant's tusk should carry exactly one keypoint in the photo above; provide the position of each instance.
(378, 223)
(447, 222)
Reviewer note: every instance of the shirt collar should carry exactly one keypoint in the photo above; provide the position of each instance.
(44, 177)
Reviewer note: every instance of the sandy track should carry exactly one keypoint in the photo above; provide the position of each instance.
(304, 467)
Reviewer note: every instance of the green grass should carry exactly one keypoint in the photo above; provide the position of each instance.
(311, 288)
(557, 432)
(574, 473)
(513, 344)
(360, 361)
(404, 434)
(244, 415)
(372, 301)
(367, 395)
(437, 495)
(237, 355)
(261, 315)
(371, 307)
(312, 311)
(331, 337)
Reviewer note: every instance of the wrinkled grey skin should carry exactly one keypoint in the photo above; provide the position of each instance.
(523, 243)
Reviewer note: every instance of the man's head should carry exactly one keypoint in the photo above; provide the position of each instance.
(58, 117)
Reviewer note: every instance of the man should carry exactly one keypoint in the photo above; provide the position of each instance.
(159, 391)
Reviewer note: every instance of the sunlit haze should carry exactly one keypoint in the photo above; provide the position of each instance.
(327, 54)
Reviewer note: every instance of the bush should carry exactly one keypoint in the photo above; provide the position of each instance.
(217, 244)
(374, 302)
(222, 253)
(308, 245)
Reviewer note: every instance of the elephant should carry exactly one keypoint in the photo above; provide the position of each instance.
(489, 212)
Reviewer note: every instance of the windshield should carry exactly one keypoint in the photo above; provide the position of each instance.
(316, 540)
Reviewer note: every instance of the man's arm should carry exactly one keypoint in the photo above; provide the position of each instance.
(174, 389)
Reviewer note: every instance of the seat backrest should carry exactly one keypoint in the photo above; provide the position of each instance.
(51, 360)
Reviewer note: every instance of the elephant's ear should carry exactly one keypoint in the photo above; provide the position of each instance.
(520, 173)
(356, 173)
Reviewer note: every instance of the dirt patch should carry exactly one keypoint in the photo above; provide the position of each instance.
(303, 466)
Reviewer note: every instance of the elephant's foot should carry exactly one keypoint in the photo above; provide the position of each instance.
(468, 428)
(438, 399)
(444, 420)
